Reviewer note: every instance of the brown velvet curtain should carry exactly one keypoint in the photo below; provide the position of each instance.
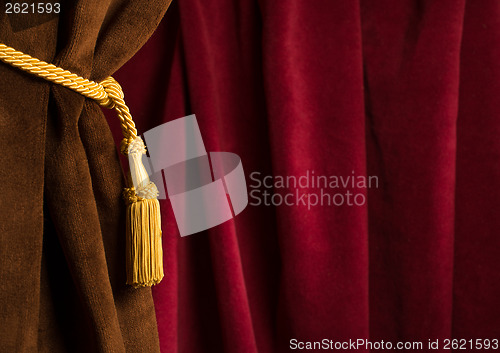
(62, 283)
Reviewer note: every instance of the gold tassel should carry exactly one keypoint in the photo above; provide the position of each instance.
(143, 245)
(144, 254)
(144, 258)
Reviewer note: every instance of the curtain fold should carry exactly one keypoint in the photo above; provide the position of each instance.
(22, 136)
(401, 90)
(476, 284)
(62, 241)
(412, 79)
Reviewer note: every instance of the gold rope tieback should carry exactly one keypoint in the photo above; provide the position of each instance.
(143, 241)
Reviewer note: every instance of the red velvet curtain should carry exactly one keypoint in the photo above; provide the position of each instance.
(403, 90)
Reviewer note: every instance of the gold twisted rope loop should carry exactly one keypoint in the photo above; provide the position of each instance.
(107, 93)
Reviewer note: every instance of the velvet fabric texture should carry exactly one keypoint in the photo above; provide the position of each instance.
(403, 90)
(62, 260)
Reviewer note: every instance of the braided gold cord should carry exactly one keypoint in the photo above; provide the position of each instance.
(107, 93)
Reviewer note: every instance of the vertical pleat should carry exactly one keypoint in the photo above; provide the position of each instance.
(412, 58)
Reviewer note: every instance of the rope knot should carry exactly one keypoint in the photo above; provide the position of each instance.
(136, 146)
(132, 145)
(114, 93)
